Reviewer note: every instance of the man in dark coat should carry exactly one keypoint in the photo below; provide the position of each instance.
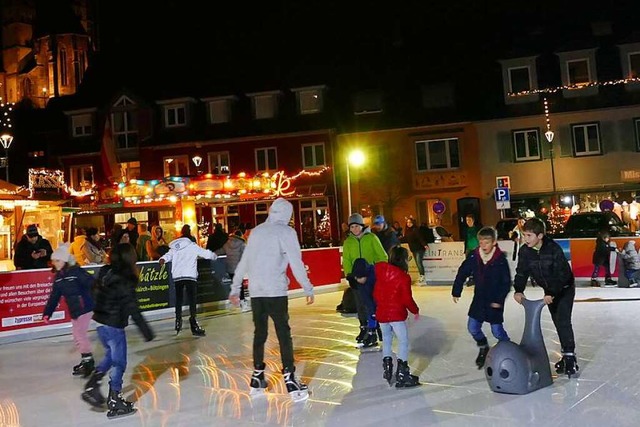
(386, 234)
(33, 251)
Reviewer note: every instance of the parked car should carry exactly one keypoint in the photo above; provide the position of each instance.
(504, 226)
(589, 224)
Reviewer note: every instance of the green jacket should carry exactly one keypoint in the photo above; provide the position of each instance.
(368, 246)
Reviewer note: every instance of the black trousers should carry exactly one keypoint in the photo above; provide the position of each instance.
(191, 287)
(278, 309)
(361, 305)
(560, 310)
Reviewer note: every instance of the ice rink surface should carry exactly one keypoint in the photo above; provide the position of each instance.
(187, 381)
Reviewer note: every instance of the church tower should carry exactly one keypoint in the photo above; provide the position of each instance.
(46, 48)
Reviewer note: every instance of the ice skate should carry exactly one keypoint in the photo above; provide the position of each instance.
(84, 368)
(483, 350)
(258, 383)
(610, 283)
(370, 342)
(196, 330)
(91, 393)
(178, 326)
(360, 336)
(567, 365)
(387, 365)
(404, 379)
(245, 306)
(118, 407)
(298, 391)
(594, 283)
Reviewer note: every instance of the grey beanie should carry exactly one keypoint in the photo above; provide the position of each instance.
(356, 218)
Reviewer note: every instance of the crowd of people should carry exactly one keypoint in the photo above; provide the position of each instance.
(374, 262)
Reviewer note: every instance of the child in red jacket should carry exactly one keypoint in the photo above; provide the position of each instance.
(392, 294)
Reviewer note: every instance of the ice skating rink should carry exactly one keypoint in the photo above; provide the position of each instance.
(186, 381)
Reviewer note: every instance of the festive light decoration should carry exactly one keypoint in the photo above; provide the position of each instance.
(574, 87)
(5, 115)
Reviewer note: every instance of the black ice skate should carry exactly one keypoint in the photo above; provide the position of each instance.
(84, 368)
(91, 393)
(196, 330)
(387, 365)
(178, 326)
(610, 283)
(118, 407)
(567, 365)
(404, 379)
(483, 347)
(297, 390)
(258, 383)
(360, 336)
(370, 341)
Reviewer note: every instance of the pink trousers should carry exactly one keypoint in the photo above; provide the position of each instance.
(79, 329)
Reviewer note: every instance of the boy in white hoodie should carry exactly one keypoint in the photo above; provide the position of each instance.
(183, 255)
(273, 246)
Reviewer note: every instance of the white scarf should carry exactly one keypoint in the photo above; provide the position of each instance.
(486, 257)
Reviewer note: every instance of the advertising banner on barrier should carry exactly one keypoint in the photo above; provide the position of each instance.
(441, 261)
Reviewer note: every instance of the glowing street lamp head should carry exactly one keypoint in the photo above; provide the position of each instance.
(356, 158)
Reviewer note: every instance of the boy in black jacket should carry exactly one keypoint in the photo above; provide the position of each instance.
(543, 259)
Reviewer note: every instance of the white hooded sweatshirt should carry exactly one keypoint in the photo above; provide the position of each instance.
(183, 255)
(272, 246)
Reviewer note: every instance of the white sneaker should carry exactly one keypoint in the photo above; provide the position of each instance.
(422, 280)
(245, 306)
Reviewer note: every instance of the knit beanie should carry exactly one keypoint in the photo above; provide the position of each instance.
(360, 267)
(356, 218)
(62, 253)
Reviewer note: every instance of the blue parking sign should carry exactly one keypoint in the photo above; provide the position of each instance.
(502, 194)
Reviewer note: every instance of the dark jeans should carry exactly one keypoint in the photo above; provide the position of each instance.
(114, 342)
(417, 257)
(278, 309)
(560, 310)
(596, 271)
(190, 287)
(361, 305)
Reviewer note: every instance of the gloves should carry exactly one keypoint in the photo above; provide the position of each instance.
(352, 282)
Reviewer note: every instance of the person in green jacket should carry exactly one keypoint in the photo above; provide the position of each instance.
(361, 243)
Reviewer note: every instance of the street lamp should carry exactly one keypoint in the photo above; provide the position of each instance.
(356, 158)
(6, 140)
(549, 135)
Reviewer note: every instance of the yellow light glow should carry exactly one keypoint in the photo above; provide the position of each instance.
(356, 158)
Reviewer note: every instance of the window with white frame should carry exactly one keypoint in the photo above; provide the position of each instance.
(313, 155)
(176, 165)
(81, 177)
(578, 72)
(266, 159)
(124, 123)
(519, 79)
(218, 111)
(175, 115)
(526, 145)
(634, 65)
(219, 163)
(586, 139)
(264, 106)
(310, 101)
(437, 154)
(81, 125)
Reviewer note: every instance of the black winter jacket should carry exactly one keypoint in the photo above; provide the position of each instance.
(601, 252)
(22, 258)
(75, 285)
(548, 267)
(116, 301)
(492, 285)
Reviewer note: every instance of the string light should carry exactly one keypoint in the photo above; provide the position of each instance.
(574, 87)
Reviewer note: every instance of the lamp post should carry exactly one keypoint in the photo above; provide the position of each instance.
(356, 158)
(6, 140)
(549, 135)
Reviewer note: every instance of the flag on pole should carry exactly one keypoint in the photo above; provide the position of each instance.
(110, 165)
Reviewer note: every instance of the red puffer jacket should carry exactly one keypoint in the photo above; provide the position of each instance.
(392, 293)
